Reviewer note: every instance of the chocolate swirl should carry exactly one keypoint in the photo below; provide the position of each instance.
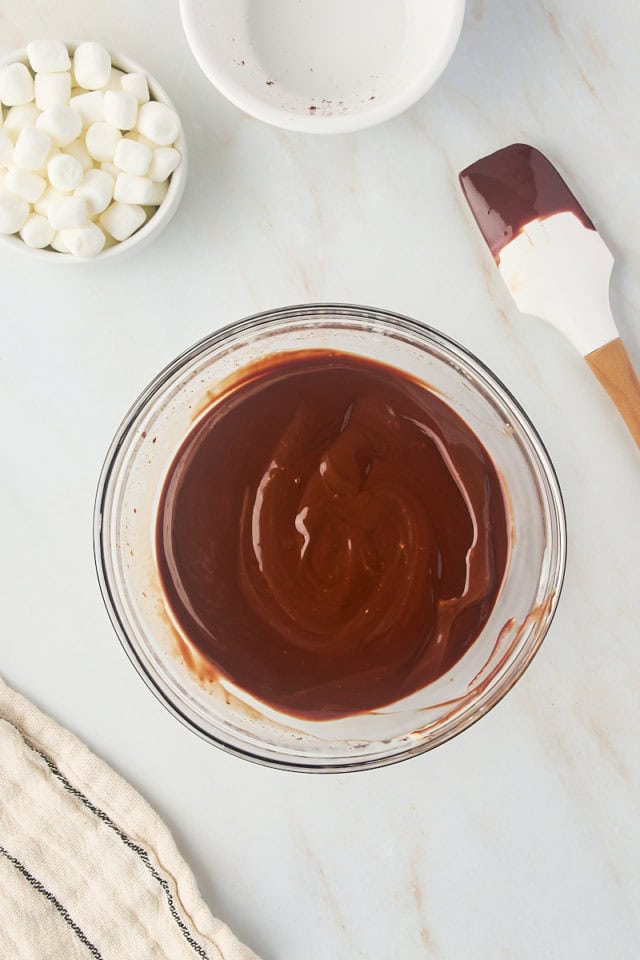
(331, 536)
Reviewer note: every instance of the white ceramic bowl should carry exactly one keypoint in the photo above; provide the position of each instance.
(322, 66)
(158, 221)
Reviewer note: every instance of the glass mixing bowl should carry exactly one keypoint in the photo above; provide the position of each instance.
(125, 513)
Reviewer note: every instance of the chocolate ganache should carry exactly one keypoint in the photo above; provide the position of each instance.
(331, 536)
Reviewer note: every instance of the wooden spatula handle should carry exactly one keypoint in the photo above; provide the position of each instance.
(612, 367)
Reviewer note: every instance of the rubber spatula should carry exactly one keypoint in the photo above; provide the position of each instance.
(553, 261)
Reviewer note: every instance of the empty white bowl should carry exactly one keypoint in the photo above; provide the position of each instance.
(322, 66)
(164, 213)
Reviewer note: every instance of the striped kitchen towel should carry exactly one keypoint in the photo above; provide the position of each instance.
(87, 868)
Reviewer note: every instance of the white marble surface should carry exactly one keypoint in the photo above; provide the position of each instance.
(519, 839)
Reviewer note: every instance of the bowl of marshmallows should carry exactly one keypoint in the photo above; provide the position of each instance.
(92, 158)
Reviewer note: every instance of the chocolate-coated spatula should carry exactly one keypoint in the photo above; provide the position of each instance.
(554, 262)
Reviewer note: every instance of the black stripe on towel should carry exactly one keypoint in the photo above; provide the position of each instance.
(64, 913)
(128, 842)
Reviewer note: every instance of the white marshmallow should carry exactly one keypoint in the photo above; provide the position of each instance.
(122, 219)
(112, 169)
(68, 213)
(165, 160)
(84, 242)
(31, 149)
(61, 122)
(43, 205)
(19, 117)
(25, 184)
(158, 123)
(132, 157)
(52, 88)
(90, 106)
(96, 190)
(158, 193)
(78, 149)
(115, 79)
(13, 213)
(102, 140)
(120, 109)
(65, 173)
(138, 138)
(136, 83)
(37, 232)
(48, 56)
(130, 189)
(58, 243)
(16, 84)
(91, 66)
(6, 149)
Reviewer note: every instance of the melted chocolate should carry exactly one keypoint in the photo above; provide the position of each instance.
(512, 187)
(331, 536)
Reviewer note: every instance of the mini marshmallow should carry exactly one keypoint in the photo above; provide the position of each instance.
(112, 169)
(102, 140)
(130, 189)
(90, 106)
(164, 162)
(132, 157)
(79, 150)
(92, 66)
(43, 205)
(19, 117)
(158, 123)
(68, 213)
(157, 193)
(84, 242)
(6, 149)
(16, 84)
(115, 79)
(13, 213)
(65, 173)
(48, 56)
(97, 191)
(61, 122)
(25, 184)
(136, 83)
(37, 232)
(31, 149)
(137, 136)
(120, 109)
(52, 88)
(58, 243)
(122, 219)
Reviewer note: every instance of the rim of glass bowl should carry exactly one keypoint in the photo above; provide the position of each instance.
(490, 383)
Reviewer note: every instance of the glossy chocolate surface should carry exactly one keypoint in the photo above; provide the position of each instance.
(331, 536)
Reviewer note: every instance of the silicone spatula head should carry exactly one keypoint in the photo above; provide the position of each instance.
(547, 249)
(513, 187)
